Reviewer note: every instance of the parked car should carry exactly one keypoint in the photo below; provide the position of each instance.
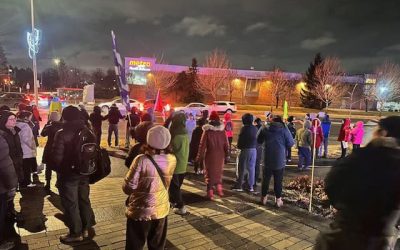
(12, 99)
(194, 107)
(223, 106)
(151, 102)
(105, 106)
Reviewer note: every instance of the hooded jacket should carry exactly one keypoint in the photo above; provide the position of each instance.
(8, 175)
(114, 115)
(148, 197)
(27, 139)
(357, 133)
(63, 149)
(248, 133)
(326, 126)
(212, 151)
(304, 136)
(14, 144)
(276, 139)
(319, 135)
(364, 188)
(180, 142)
(344, 132)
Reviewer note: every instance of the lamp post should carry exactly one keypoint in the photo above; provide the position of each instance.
(33, 44)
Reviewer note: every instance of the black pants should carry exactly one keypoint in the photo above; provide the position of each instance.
(154, 232)
(29, 165)
(97, 132)
(175, 194)
(356, 146)
(344, 150)
(278, 178)
(48, 173)
(74, 192)
(230, 139)
(3, 215)
(258, 163)
(289, 153)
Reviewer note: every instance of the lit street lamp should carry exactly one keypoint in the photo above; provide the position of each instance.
(56, 61)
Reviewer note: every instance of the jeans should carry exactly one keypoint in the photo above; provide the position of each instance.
(326, 143)
(278, 178)
(289, 153)
(3, 215)
(113, 128)
(175, 193)
(74, 192)
(154, 232)
(304, 157)
(247, 163)
(258, 162)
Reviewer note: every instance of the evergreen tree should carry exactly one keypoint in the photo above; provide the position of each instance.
(193, 94)
(307, 94)
(3, 61)
(179, 87)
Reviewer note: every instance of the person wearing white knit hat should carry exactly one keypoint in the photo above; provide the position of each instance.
(147, 183)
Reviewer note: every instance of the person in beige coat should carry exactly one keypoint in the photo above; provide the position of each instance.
(148, 203)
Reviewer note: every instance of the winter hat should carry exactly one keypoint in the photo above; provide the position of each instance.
(71, 113)
(307, 124)
(54, 116)
(158, 137)
(4, 118)
(5, 107)
(24, 114)
(146, 117)
(214, 116)
(391, 124)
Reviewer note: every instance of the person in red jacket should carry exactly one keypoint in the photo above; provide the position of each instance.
(318, 135)
(344, 136)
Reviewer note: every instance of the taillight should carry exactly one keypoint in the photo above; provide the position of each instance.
(167, 108)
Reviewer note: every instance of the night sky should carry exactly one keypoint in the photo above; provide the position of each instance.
(254, 33)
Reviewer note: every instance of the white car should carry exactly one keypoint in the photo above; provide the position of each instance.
(194, 107)
(105, 106)
(223, 107)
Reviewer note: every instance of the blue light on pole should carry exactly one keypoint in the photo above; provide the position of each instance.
(33, 39)
(383, 89)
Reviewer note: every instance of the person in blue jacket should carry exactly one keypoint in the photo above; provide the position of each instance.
(276, 138)
(326, 129)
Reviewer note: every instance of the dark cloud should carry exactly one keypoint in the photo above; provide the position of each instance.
(254, 33)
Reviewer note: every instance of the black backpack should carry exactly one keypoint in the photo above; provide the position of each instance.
(86, 152)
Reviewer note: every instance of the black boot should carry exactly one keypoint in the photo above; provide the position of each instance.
(47, 186)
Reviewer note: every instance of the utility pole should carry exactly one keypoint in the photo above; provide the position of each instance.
(33, 44)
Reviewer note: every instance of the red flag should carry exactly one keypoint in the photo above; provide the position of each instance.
(158, 105)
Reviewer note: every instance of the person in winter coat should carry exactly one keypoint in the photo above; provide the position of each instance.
(50, 130)
(364, 188)
(133, 119)
(9, 131)
(326, 128)
(140, 134)
(344, 136)
(180, 147)
(229, 128)
(194, 147)
(213, 151)
(304, 144)
(28, 146)
(258, 124)
(357, 134)
(276, 139)
(8, 182)
(190, 125)
(148, 204)
(72, 186)
(247, 143)
(113, 117)
(292, 130)
(318, 136)
(96, 119)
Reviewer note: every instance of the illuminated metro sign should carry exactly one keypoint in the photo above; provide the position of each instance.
(370, 81)
(139, 64)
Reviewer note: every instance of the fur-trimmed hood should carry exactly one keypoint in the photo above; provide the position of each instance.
(214, 128)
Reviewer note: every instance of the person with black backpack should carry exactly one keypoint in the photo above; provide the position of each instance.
(74, 151)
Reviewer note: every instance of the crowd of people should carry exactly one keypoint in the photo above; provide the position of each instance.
(159, 158)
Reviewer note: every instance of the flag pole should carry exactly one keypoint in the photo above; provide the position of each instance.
(312, 169)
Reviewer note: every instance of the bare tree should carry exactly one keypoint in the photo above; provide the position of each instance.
(215, 74)
(329, 75)
(387, 86)
(280, 84)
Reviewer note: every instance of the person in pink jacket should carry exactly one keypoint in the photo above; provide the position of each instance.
(357, 134)
(228, 128)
